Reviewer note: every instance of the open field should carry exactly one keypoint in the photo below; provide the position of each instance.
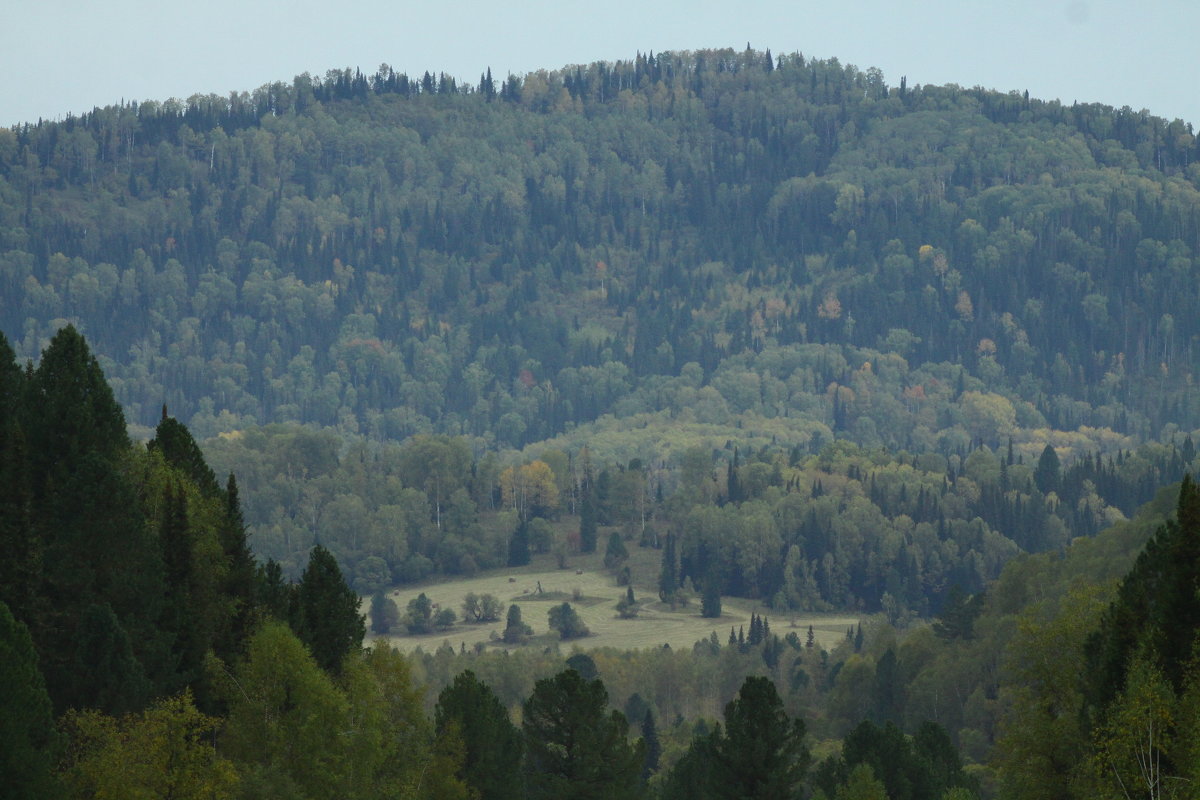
(598, 595)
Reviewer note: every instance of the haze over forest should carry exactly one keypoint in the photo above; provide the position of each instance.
(722, 324)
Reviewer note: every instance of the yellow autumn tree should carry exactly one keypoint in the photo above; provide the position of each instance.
(530, 490)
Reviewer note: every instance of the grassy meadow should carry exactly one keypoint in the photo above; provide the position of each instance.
(593, 592)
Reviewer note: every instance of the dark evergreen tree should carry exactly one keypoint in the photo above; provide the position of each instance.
(886, 691)
(515, 630)
(240, 578)
(179, 449)
(957, 620)
(926, 766)
(691, 778)
(576, 747)
(1157, 608)
(1046, 475)
(761, 753)
(587, 513)
(566, 621)
(710, 602)
(385, 616)
(106, 675)
(518, 546)
(276, 595)
(179, 622)
(492, 745)
(668, 575)
(615, 553)
(584, 665)
(20, 540)
(29, 742)
(328, 620)
(652, 746)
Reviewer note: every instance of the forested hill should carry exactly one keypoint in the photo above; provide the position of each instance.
(780, 245)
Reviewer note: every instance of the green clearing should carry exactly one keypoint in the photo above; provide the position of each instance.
(657, 624)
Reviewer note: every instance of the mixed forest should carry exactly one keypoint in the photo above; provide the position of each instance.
(787, 333)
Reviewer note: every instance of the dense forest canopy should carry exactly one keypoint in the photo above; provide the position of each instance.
(781, 244)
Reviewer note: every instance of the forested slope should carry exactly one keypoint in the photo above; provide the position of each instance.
(719, 237)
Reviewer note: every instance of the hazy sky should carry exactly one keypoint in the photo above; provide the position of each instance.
(59, 56)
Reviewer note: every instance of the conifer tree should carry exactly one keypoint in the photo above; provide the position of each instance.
(493, 745)
(104, 674)
(1157, 608)
(179, 618)
(28, 740)
(328, 620)
(761, 753)
(587, 511)
(710, 603)
(576, 747)
(652, 745)
(515, 630)
(179, 449)
(668, 575)
(615, 553)
(241, 575)
(1046, 475)
(518, 546)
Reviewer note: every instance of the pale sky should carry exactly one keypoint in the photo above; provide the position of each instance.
(59, 56)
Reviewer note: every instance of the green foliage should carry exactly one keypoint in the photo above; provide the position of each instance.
(444, 619)
(710, 601)
(28, 740)
(615, 553)
(166, 751)
(958, 616)
(926, 765)
(575, 746)
(419, 618)
(327, 617)
(515, 630)
(493, 745)
(107, 674)
(566, 621)
(1043, 740)
(180, 450)
(385, 616)
(762, 752)
(1157, 608)
(282, 707)
(482, 608)
(518, 546)
(862, 785)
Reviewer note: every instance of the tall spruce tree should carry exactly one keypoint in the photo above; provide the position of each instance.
(240, 577)
(28, 740)
(21, 567)
(668, 574)
(327, 615)
(587, 514)
(576, 747)
(652, 745)
(493, 745)
(179, 449)
(710, 601)
(1157, 609)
